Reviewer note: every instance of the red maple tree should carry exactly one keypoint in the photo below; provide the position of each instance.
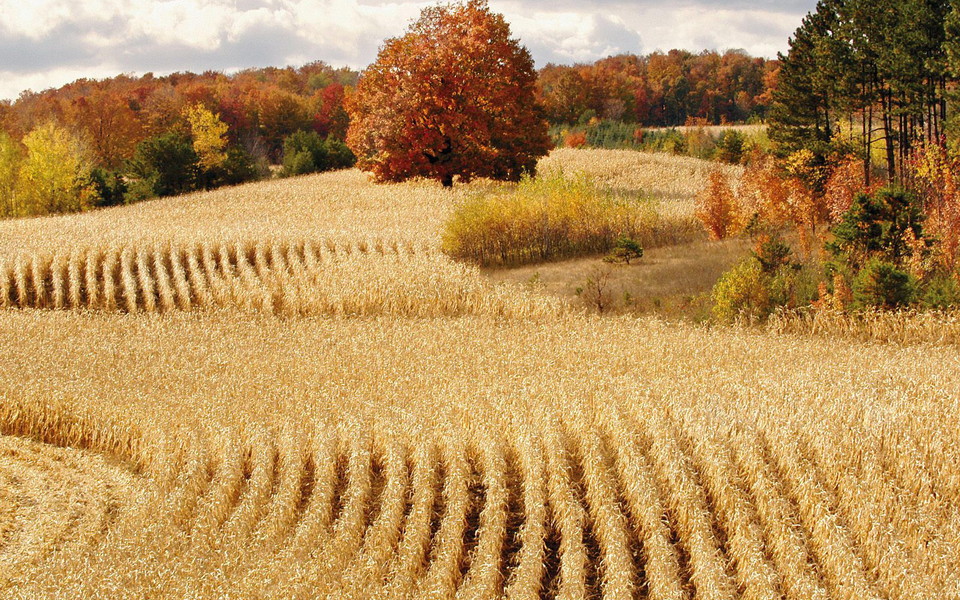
(454, 97)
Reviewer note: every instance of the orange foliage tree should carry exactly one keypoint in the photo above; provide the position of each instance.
(935, 174)
(452, 97)
(782, 195)
(846, 182)
(718, 209)
(113, 126)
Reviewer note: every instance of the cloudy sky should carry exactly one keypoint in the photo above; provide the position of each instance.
(46, 43)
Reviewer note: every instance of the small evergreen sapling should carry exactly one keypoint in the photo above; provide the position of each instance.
(627, 249)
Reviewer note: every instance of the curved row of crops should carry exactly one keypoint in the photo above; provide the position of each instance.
(298, 277)
(611, 505)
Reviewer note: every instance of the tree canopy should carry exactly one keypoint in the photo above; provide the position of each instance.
(454, 97)
(871, 75)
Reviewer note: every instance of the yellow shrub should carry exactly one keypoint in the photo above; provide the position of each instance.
(543, 219)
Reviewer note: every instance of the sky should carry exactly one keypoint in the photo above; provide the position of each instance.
(47, 43)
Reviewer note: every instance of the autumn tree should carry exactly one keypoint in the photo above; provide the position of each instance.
(10, 158)
(452, 97)
(55, 175)
(209, 136)
(113, 126)
(717, 207)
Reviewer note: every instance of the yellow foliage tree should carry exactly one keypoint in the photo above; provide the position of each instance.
(209, 136)
(10, 158)
(55, 175)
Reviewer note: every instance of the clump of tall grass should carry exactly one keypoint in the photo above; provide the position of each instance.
(545, 218)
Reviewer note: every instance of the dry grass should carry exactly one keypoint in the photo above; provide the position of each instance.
(665, 281)
(673, 180)
(518, 452)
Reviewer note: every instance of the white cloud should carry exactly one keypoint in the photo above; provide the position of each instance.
(34, 19)
(42, 42)
(574, 37)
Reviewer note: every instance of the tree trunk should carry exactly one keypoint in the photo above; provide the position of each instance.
(887, 102)
(868, 156)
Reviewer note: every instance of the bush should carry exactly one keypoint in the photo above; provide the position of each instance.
(624, 251)
(240, 167)
(772, 253)
(742, 292)
(717, 208)
(339, 155)
(882, 285)
(543, 219)
(887, 225)
(730, 147)
(111, 189)
(307, 152)
(699, 142)
(665, 140)
(794, 285)
(941, 292)
(164, 165)
(574, 139)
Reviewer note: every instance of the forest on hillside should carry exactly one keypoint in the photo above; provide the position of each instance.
(134, 137)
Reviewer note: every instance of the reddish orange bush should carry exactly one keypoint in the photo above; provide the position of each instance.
(780, 197)
(575, 139)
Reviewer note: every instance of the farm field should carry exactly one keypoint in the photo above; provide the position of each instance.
(285, 390)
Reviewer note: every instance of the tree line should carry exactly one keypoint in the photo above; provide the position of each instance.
(123, 139)
(660, 89)
(872, 78)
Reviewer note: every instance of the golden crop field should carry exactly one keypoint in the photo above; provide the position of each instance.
(210, 397)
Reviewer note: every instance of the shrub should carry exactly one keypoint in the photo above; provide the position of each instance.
(624, 251)
(164, 165)
(111, 189)
(887, 225)
(941, 292)
(934, 174)
(543, 219)
(575, 139)
(846, 182)
(772, 253)
(665, 140)
(238, 167)
(794, 286)
(730, 147)
(881, 284)
(339, 155)
(307, 152)
(699, 142)
(742, 292)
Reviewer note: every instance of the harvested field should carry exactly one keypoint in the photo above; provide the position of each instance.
(442, 437)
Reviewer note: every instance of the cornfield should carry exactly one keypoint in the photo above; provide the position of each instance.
(282, 277)
(230, 428)
(897, 327)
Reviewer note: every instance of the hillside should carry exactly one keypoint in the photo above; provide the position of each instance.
(284, 390)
